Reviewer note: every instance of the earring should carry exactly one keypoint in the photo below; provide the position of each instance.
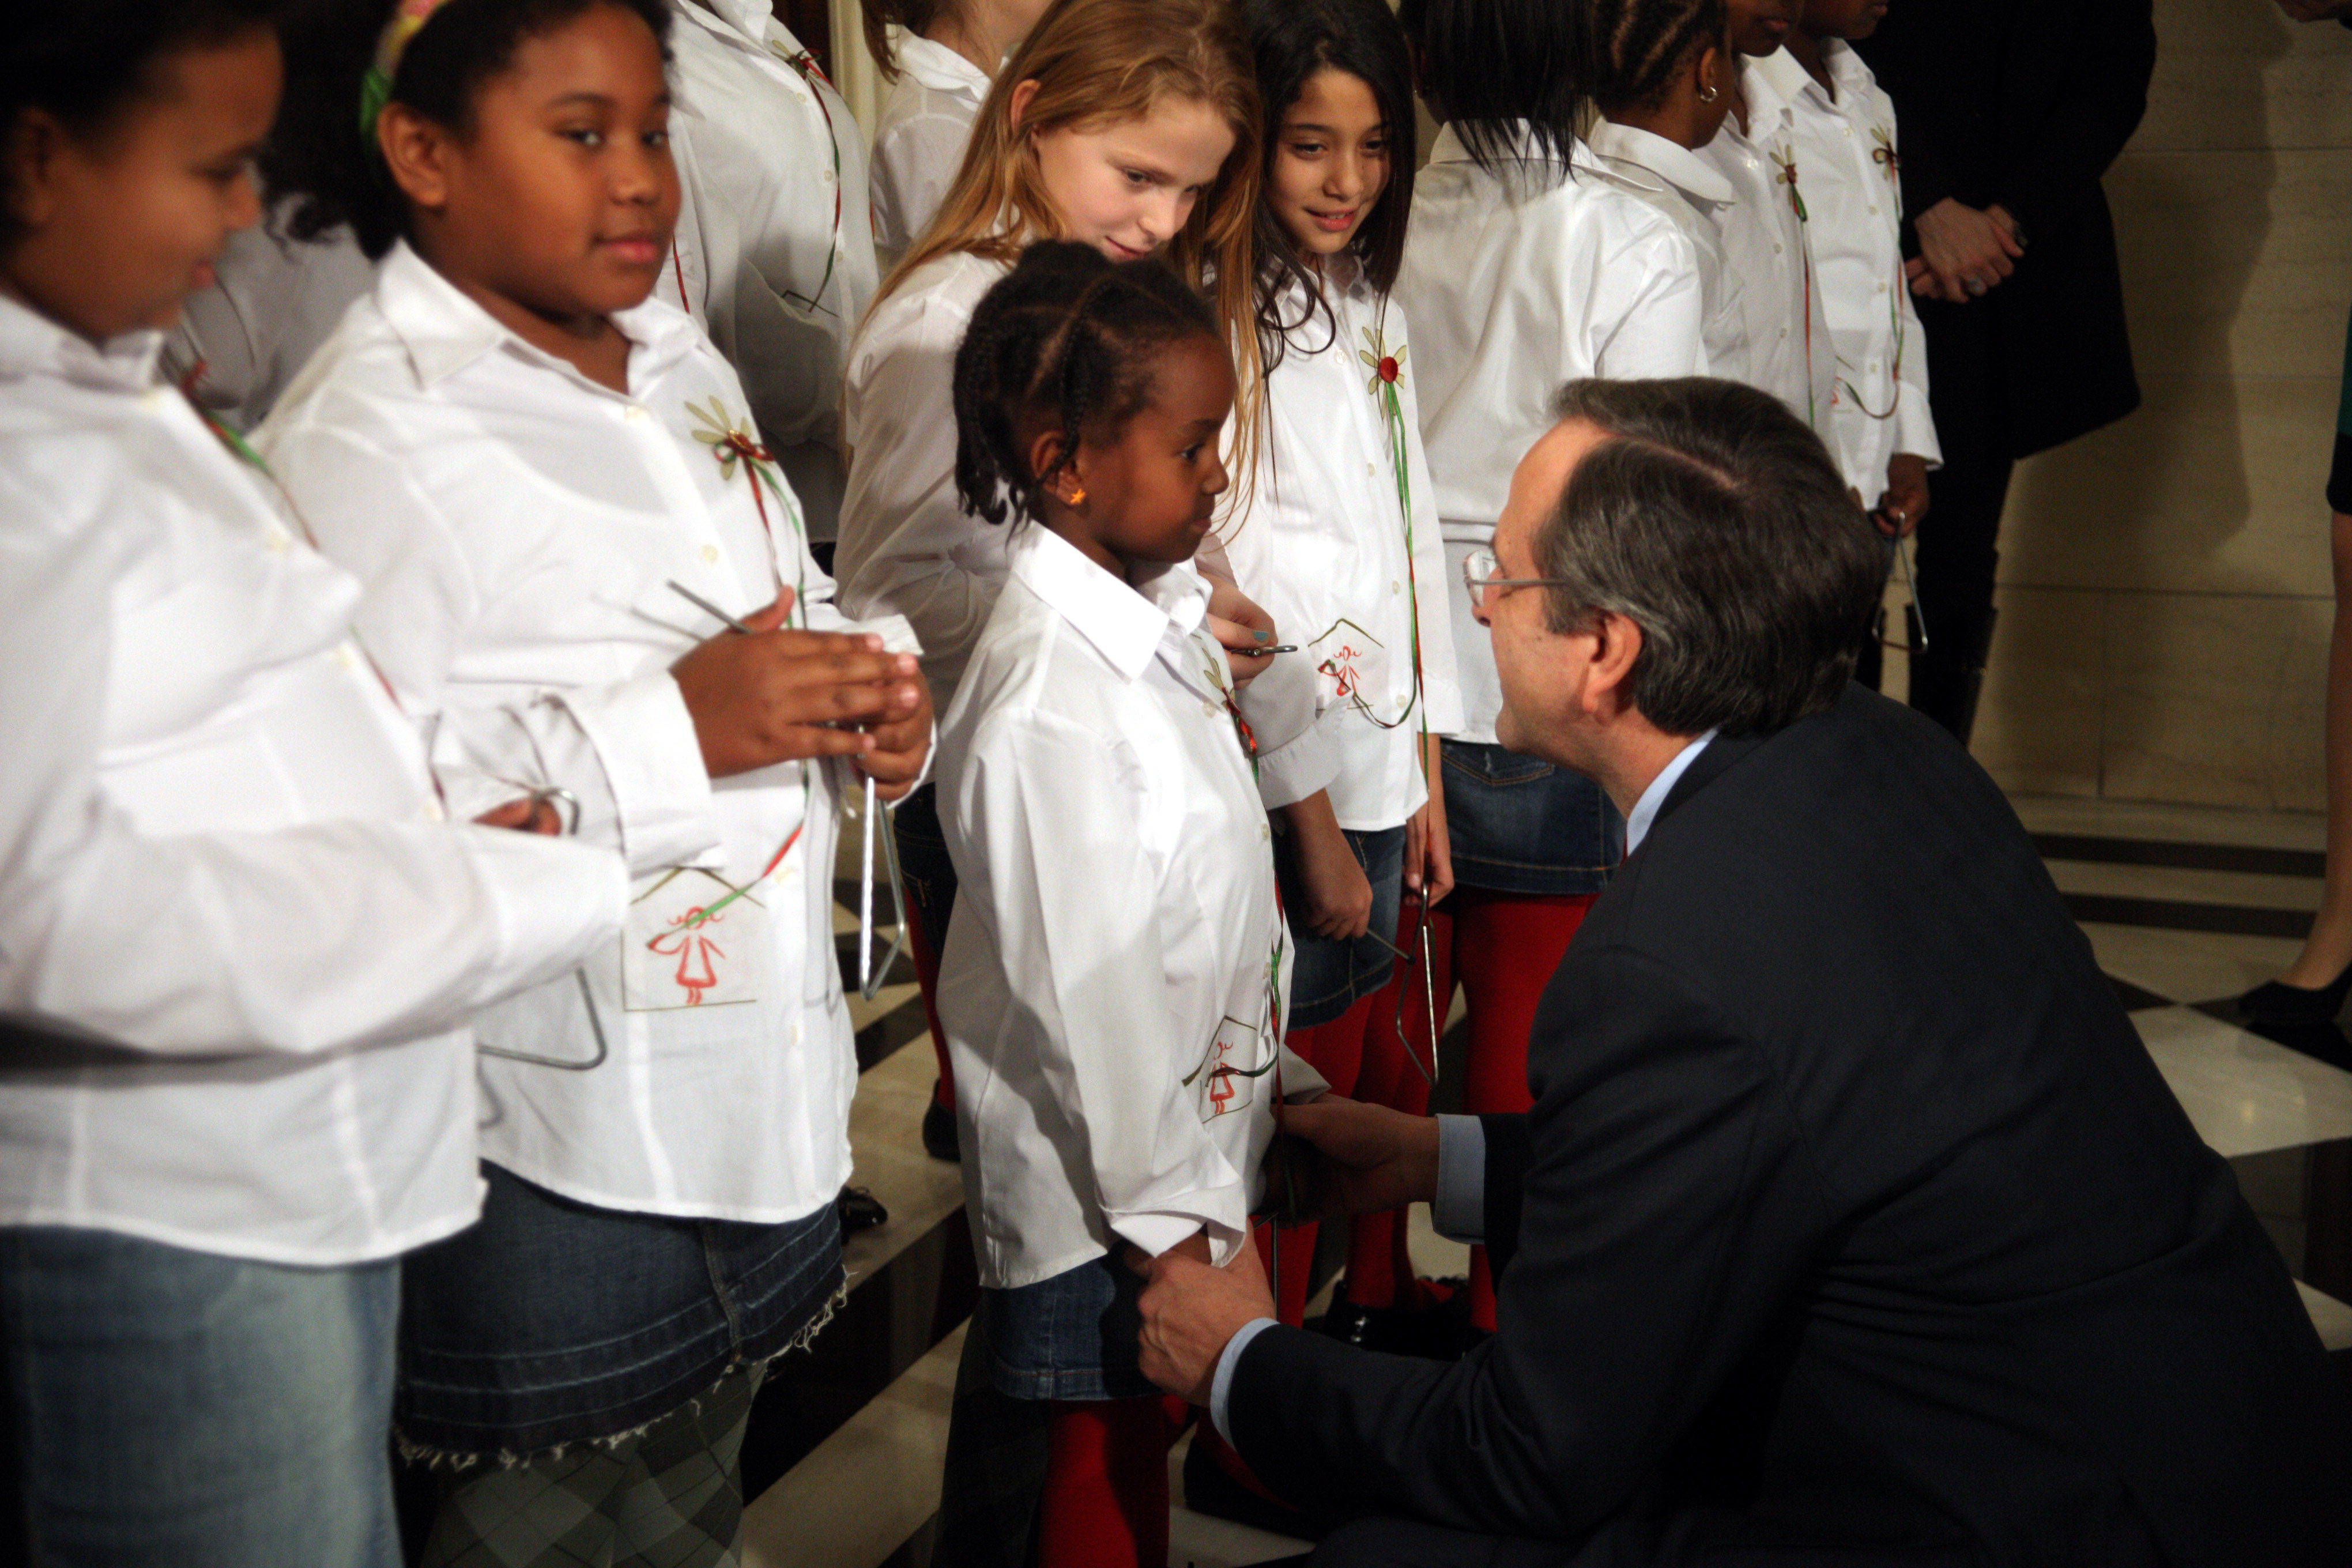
(1708, 94)
(1078, 496)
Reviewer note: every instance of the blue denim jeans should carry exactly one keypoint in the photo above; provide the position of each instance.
(551, 1321)
(176, 1409)
(1522, 825)
(1329, 974)
(1074, 1336)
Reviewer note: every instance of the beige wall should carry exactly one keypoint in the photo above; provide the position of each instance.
(2164, 587)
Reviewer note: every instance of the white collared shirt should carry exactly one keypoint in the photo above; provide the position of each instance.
(1849, 171)
(1672, 179)
(774, 250)
(1116, 938)
(517, 526)
(1330, 549)
(918, 140)
(1789, 350)
(909, 548)
(1516, 285)
(219, 846)
(241, 342)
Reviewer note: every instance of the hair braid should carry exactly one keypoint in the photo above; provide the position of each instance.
(1642, 43)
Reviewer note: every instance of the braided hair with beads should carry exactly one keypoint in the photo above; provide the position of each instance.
(1066, 343)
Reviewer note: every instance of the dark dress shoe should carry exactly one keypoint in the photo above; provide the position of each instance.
(860, 1210)
(940, 1132)
(2277, 1003)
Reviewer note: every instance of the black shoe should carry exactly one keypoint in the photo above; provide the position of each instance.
(860, 1210)
(2277, 1003)
(940, 1130)
(1209, 1489)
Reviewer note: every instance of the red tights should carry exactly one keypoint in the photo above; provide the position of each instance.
(1106, 1501)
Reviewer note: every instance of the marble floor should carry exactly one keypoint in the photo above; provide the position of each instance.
(2185, 908)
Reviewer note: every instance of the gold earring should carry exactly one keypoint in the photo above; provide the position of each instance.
(1078, 496)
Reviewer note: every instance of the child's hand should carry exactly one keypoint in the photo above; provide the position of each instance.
(529, 814)
(900, 743)
(1428, 847)
(1905, 501)
(773, 696)
(1338, 895)
(1236, 621)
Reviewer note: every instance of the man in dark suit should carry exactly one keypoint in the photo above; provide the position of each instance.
(1853, 1224)
(2010, 111)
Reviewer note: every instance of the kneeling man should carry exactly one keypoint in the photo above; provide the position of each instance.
(1853, 1224)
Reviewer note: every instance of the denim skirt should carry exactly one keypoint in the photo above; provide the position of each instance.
(1329, 975)
(550, 1321)
(1076, 1336)
(1522, 825)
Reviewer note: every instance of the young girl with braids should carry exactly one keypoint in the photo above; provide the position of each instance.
(1526, 266)
(1128, 125)
(1113, 986)
(948, 52)
(1341, 546)
(549, 482)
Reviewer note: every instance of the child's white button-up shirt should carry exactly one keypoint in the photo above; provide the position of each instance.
(918, 140)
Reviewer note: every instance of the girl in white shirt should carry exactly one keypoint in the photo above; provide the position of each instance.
(1130, 125)
(239, 942)
(549, 482)
(774, 245)
(947, 54)
(1113, 988)
(1341, 546)
(1526, 266)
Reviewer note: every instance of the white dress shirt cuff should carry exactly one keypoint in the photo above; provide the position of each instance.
(1915, 426)
(555, 902)
(652, 760)
(1458, 1212)
(1221, 1387)
(1289, 774)
(1156, 1232)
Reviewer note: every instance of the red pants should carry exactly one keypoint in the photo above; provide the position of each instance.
(1106, 1500)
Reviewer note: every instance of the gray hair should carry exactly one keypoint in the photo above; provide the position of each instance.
(1713, 518)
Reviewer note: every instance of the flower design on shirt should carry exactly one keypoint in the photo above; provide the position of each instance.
(1786, 161)
(1883, 153)
(1387, 368)
(728, 440)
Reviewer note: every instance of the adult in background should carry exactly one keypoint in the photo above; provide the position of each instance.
(1853, 1223)
(2011, 111)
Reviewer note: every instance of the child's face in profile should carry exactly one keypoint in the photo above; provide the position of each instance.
(1759, 27)
(1843, 18)
(562, 196)
(1152, 494)
(1125, 188)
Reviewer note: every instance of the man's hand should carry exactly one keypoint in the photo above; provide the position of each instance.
(1236, 621)
(778, 696)
(1967, 250)
(1370, 1159)
(1905, 501)
(531, 814)
(902, 744)
(1190, 1308)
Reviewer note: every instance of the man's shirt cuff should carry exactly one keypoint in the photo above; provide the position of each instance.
(1220, 1386)
(1458, 1212)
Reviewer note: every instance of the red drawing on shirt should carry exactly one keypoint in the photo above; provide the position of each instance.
(696, 972)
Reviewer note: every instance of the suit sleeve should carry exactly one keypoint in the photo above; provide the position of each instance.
(1667, 1210)
(2052, 170)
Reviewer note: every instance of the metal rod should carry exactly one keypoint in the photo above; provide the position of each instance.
(706, 607)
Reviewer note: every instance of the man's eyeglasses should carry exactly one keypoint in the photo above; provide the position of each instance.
(1478, 569)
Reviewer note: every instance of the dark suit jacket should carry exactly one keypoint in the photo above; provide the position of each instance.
(1850, 1210)
(2023, 102)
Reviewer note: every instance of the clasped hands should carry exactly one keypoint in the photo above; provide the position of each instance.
(1963, 250)
(1337, 1157)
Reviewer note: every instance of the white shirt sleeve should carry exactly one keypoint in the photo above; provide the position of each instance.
(1647, 317)
(627, 748)
(306, 939)
(1914, 421)
(915, 166)
(1296, 753)
(1068, 936)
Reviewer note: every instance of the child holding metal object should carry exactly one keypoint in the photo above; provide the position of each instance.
(526, 452)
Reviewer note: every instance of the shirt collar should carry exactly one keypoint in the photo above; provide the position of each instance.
(1671, 161)
(32, 344)
(940, 67)
(748, 17)
(1126, 623)
(444, 331)
(1448, 149)
(1772, 84)
(1644, 815)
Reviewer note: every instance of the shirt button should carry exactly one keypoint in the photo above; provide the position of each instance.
(344, 658)
(278, 541)
(1208, 709)
(1878, 288)
(634, 414)
(1263, 832)
(1784, 332)
(1776, 247)
(825, 175)
(433, 812)
(1874, 209)
(710, 554)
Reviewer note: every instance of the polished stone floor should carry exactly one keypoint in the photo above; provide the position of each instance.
(2185, 908)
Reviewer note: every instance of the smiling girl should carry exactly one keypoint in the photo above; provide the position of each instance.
(1342, 548)
(1114, 983)
(551, 486)
(1128, 125)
